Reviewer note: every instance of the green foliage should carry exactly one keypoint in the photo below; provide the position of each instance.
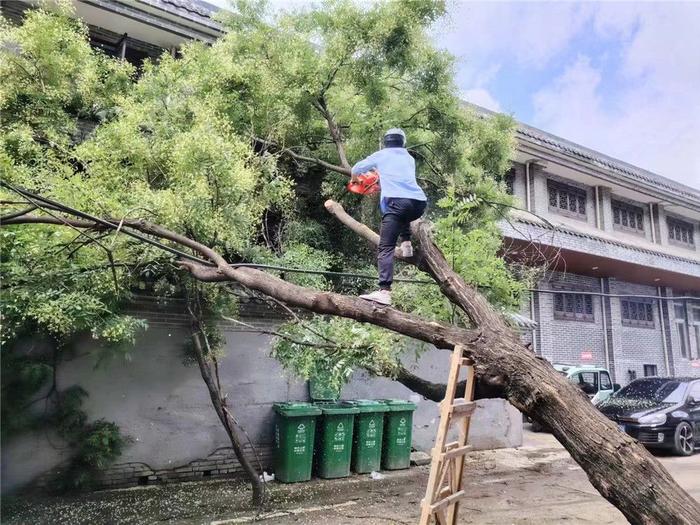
(198, 145)
(96, 444)
(333, 347)
(54, 76)
(22, 378)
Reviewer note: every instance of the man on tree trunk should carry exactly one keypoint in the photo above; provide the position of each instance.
(401, 202)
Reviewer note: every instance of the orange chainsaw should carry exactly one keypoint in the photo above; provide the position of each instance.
(366, 183)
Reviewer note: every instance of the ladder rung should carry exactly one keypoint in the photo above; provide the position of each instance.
(456, 452)
(465, 361)
(462, 408)
(449, 500)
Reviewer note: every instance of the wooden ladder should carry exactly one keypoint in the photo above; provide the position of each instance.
(444, 489)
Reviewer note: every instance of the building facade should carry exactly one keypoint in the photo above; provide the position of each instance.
(620, 248)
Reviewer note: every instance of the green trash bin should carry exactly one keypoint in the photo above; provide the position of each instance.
(295, 427)
(334, 439)
(368, 435)
(398, 426)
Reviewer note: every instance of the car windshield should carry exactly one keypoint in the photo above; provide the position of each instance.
(659, 390)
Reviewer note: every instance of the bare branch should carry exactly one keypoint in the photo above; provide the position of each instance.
(334, 130)
(275, 333)
(17, 213)
(296, 156)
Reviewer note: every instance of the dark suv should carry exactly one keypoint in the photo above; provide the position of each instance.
(658, 412)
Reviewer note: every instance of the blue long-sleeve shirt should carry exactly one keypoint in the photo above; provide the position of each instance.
(397, 173)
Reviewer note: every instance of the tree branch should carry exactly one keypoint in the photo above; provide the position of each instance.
(334, 130)
(18, 213)
(437, 334)
(296, 156)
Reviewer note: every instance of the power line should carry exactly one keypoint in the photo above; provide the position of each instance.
(125, 229)
(323, 272)
(29, 195)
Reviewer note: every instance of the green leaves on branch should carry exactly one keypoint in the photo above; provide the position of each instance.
(200, 145)
(332, 348)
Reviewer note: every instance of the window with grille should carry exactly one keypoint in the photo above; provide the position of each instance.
(566, 200)
(695, 321)
(573, 306)
(637, 313)
(680, 232)
(627, 217)
(510, 181)
(681, 318)
(650, 371)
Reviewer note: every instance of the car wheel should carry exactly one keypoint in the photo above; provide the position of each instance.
(684, 442)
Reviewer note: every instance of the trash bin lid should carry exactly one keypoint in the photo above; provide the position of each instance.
(340, 408)
(369, 405)
(296, 409)
(398, 405)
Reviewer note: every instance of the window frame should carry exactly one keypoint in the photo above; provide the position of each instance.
(629, 209)
(693, 388)
(572, 299)
(561, 188)
(627, 305)
(694, 320)
(683, 323)
(509, 180)
(682, 331)
(655, 368)
(671, 222)
(580, 381)
(601, 375)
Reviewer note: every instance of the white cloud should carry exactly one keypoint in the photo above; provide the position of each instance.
(481, 97)
(532, 33)
(648, 114)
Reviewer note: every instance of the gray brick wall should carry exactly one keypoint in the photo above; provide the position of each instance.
(221, 463)
(684, 366)
(629, 347)
(563, 341)
(635, 346)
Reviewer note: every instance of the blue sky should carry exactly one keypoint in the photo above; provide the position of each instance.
(619, 77)
(622, 78)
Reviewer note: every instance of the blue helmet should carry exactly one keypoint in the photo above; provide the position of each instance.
(395, 138)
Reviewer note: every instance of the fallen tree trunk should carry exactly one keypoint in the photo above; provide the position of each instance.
(485, 388)
(621, 470)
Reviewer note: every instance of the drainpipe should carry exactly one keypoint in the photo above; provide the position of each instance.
(122, 46)
(606, 347)
(663, 334)
(532, 316)
(527, 186)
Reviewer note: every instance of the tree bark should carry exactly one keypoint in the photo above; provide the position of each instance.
(219, 404)
(621, 469)
(618, 467)
(484, 388)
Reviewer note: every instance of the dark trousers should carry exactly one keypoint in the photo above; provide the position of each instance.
(396, 222)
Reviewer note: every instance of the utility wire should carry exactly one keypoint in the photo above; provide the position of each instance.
(125, 229)
(180, 253)
(323, 272)
(103, 222)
